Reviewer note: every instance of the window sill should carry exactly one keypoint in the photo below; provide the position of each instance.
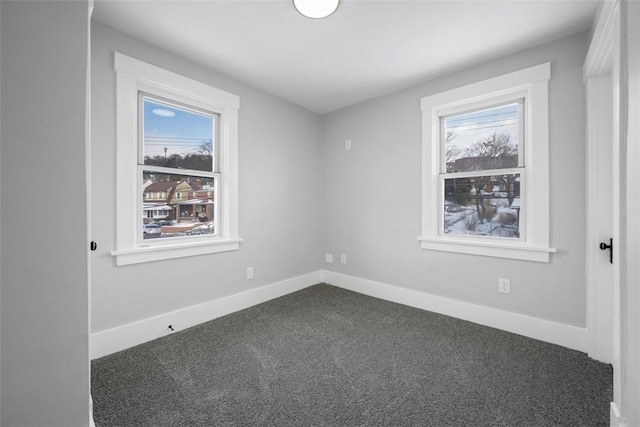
(491, 249)
(158, 253)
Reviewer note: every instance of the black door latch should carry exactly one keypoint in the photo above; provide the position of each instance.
(604, 247)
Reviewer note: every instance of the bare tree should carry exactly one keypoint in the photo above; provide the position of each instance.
(509, 181)
(495, 151)
(498, 150)
(450, 136)
(452, 152)
(479, 184)
(206, 149)
(199, 160)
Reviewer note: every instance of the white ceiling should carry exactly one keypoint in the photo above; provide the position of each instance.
(364, 50)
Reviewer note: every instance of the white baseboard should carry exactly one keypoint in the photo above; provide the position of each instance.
(556, 333)
(122, 337)
(92, 423)
(615, 419)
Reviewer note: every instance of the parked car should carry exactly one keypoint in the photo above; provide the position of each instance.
(150, 231)
(452, 207)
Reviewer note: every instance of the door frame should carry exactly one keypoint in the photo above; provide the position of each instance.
(630, 280)
(615, 50)
(601, 78)
(601, 73)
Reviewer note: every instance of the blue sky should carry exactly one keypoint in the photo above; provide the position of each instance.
(180, 130)
(472, 127)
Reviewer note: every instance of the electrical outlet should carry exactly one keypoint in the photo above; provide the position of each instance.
(347, 144)
(328, 258)
(249, 273)
(504, 286)
(343, 258)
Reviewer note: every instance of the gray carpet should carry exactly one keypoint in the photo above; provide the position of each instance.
(329, 357)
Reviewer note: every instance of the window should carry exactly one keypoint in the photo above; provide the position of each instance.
(485, 167)
(481, 174)
(180, 140)
(177, 179)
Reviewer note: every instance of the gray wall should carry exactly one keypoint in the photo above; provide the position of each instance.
(280, 214)
(297, 183)
(0, 218)
(44, 337)
(294, 176)
(372, 196)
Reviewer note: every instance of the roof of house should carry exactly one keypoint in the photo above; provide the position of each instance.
(161, 186)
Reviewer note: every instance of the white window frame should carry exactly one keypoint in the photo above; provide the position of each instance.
(530, 84)
(134, 76)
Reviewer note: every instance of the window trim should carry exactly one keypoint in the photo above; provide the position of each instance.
(134, 76)
(532, 85)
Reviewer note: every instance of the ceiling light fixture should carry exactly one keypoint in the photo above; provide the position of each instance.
(316, 9)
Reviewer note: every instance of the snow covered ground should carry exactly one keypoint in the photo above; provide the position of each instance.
(465, 221)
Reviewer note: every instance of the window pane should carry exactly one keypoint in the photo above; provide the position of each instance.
(177, 137)
(482, 140)
(177, 205)
(483, 206)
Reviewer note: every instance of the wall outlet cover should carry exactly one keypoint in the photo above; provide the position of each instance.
(504, 286)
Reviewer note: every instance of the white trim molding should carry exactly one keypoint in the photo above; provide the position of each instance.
(516, 250)
(606, 299)
(122, 337)
(132, 77)
(615, 420)
(599, 61)
(569, 336)
(530, 84)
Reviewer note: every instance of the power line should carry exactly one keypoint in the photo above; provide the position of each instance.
(483, 123)
(485, 127)
(177, 138)
(465, 116)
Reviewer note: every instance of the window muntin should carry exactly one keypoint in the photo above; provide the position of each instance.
(481, 168)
